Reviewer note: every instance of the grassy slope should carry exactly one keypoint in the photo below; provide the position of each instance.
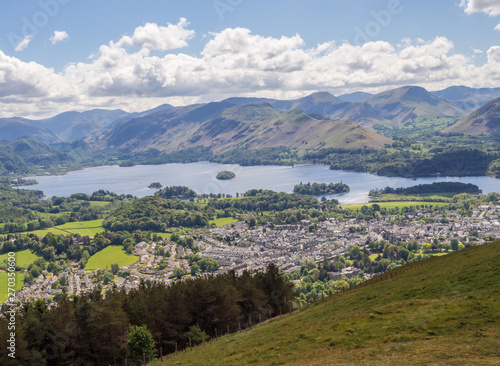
(442, 311)
(109, 255)
(484, 120)
(23, 258)
(293, 129)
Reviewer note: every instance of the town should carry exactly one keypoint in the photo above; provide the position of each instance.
(240, 248)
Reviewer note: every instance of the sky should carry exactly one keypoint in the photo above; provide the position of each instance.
(62, 55)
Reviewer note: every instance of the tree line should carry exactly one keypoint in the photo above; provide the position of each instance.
(92, 329)
(436, 187)
(316, 189)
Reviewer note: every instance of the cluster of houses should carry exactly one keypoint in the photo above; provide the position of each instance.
(287, 245)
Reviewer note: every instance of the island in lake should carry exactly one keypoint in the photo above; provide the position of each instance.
(226, 174)
(316, 189)
(155, 185)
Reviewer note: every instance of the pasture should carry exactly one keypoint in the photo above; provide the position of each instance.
(23, 258)
(109, 255)
(4, 288)
(221, 221)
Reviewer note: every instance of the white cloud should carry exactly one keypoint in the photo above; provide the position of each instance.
(232, 62)
(477, 51)
(154, 37)
(490, 7)
(494, 54)
(497, 27)
(59, 36)
(23, 44)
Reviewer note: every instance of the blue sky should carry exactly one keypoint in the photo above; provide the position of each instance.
(58, 55)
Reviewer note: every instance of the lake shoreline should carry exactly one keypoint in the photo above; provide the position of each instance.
(200, 177)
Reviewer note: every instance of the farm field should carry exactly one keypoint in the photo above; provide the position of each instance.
(223, 221)
(4, 284)
(44, 232)
(84, 228)
(23, 258)
(109, 255)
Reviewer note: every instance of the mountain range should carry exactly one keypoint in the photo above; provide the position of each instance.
(317, 120)
(223, 126)
(67, 126)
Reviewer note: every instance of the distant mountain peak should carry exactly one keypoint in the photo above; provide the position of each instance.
(418, 94)
(321, 97)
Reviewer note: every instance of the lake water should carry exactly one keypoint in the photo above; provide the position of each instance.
(200, 177)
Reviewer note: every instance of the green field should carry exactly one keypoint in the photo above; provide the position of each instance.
(424, 197)
(48, 215)
(44, 232)
(4, 291)
(223, 221)
(23, 258)
(163, 235)
(440, 311)
(109, 255)
(84, 228)
(400, 204)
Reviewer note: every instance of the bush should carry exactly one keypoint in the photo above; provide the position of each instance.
(140, 344)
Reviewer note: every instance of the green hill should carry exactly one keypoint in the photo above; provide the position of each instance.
(485, 120)
(441, 311)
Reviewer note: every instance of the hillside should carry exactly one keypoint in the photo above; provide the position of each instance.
(442, 311)
(13, 128)
(406, 103)
(33, 151)
(70, 126)
(361, 113)
(485, 120)
(224, 126)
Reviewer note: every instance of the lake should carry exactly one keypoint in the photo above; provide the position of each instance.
(200, 177)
